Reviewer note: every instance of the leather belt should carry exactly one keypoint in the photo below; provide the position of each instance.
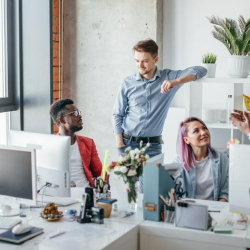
(154, 139)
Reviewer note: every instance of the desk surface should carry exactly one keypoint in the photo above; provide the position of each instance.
(122, 232)
(183, 238)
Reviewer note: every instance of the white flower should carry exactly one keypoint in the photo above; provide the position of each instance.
(123, 169)
(147, 157)
(148, 145)
(127, 149)
(142, 150)
(137, 156)
(132, 153)
(117, 169)
(131, 172)
(121, 158)
(136, 150)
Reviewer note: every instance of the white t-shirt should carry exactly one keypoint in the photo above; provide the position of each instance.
(204, 179)
(76, 167)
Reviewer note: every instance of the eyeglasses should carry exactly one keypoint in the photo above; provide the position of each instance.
(75, 113)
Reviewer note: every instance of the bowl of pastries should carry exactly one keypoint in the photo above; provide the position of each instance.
(51, 213)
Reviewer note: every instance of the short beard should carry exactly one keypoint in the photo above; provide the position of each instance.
(74, 129)
(146, 72)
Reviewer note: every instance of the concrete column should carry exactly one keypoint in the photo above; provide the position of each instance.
(98, 40)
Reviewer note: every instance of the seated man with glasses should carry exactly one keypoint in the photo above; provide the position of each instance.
(85, 163)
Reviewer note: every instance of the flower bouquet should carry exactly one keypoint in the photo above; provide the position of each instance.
(130, 167)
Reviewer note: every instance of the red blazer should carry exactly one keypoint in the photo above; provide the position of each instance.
(92, 165)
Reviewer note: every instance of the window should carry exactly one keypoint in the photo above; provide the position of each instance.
(9, 58)
(4, 128)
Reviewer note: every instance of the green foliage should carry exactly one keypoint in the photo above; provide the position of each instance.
(236, 37)
(209, 58)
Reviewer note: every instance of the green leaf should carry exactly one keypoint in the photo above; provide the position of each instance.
(236, 37)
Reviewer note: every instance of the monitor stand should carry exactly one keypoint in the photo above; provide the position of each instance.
(7, 211)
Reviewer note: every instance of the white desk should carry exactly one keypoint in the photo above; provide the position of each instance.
(127, 231)
(159, 235)
(124, 235)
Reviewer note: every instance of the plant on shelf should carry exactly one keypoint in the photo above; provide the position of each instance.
(209, 58)
(236, 37)
(209, 61)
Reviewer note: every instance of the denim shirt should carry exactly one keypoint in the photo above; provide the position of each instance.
(220, 167)
(140, 108)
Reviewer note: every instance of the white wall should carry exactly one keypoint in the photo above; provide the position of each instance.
(186, 37)
(98, 41)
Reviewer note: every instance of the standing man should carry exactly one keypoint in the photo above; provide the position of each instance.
(84, 161)
(144, 98)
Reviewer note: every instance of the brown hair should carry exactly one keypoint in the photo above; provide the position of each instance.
(148, 45)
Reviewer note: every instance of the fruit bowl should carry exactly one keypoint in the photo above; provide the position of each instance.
(51, 217)
(51, 213)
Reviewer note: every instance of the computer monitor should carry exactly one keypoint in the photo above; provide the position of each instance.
(239, 178)
(52, 159)
(17, 179)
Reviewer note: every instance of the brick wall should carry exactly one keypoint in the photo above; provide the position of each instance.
(57, 50)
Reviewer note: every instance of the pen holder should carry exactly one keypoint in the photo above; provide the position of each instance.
(107, 208)
(169, 214)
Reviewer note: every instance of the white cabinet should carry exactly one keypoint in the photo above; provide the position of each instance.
(211, 94)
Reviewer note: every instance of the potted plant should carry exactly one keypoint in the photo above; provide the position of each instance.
(209, 61)
(236, 38)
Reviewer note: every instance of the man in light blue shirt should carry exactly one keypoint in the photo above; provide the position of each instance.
(144, 98)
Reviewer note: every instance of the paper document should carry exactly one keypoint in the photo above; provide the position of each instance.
(82, 233)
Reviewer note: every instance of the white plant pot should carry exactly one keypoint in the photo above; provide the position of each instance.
(211, 69)
(238, 66)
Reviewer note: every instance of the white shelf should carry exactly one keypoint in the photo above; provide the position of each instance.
(225, 80)
(219, 125)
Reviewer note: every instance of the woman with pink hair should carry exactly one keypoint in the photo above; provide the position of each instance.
(205, 170)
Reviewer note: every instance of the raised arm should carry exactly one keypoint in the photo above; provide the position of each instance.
(176, 78)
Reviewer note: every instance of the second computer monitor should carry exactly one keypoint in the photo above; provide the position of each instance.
(17, 179)
(239, 178)
(52, 159)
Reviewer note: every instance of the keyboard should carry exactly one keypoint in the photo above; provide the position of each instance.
(60, 201)
(7, 223)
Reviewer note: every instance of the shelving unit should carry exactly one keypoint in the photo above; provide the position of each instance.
(192, 97)
(211, 93)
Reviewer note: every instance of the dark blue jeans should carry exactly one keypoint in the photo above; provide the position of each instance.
(153, 150)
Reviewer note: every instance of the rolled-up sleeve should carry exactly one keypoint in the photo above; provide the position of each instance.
(119, 110)
(197, 71)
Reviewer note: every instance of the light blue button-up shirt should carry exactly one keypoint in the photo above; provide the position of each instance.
(140, 107)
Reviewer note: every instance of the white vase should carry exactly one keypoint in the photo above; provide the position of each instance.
(238, 66)
(211, 69)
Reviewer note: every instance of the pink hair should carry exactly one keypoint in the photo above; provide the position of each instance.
(184, 150)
